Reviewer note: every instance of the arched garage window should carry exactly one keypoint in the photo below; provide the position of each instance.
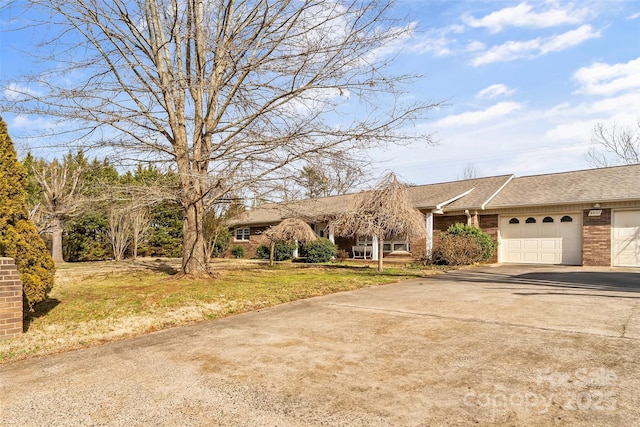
(514, 221)
(566, 218)
(531, 220)
(547, 219)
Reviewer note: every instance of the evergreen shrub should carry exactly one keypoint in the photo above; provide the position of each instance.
(320, 250)
(282, 251)
(237, 251)
(462, 244)
(19, 238)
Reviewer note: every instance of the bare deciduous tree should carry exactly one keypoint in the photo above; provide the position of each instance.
(139, 220)
(469, 172)
(384, 212)
(119, 232)
(229, 91)
(60, 199)
(331, 177)
(614, 145)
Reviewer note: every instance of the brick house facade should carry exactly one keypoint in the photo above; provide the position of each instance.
(589, 217)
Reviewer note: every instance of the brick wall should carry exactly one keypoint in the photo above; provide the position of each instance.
(489, 224)
(441, 223)
(10, 299)
(255, 239)
(596, 239)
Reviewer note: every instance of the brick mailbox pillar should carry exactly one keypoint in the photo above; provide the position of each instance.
(10, 299)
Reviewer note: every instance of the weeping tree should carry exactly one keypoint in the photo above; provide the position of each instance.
(383, 212)
(289, 230)
(230, 92)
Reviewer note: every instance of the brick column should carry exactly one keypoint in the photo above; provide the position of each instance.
(489, 224)
(10, 299)
(596, 239)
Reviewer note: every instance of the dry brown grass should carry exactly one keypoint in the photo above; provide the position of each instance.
(93, 303)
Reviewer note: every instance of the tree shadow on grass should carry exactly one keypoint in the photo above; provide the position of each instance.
(41, 309)
(159, 266)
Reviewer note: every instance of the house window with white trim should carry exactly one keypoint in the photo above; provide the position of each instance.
(242, 234)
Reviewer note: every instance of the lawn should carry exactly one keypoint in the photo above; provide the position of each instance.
(97, 302)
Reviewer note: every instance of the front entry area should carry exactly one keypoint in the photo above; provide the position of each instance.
(541, 239)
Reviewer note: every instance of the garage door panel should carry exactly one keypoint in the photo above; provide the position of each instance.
(514, 257)
(549, 244)
(540, 242)
(626, 238)
(531, 257)
(549, 258)
(514, 244)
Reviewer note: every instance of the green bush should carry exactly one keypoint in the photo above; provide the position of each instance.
(320, 250)
(462, 244)
(164, 238)
(237, 251)
(483, 239)
(18, 236)
(85, 238)
(221, 242)
(455, 250)
(282, 251)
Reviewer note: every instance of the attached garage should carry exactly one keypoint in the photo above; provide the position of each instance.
(625, 240)
(541, 239)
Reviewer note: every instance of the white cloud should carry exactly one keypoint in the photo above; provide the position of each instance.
(536, 47)
(574, 131)
(475, 46)
(500, 109)
(24, 122)
(496, 90)
(569, 39)
(605, 79)
(523, 15)
(438, 46)
(14, 91)
(401, 37)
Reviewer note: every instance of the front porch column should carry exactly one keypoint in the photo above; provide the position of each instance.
(374, 249)
(295, 251)
(429, 240)
(332, 238)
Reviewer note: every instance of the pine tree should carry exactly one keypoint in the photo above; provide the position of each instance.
(18, 236)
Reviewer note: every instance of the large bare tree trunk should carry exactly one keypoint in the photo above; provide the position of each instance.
(194, 254)
(56, 240)
(233, 93)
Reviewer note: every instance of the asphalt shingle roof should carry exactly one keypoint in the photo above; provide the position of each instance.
(590, 186)
(586, 186)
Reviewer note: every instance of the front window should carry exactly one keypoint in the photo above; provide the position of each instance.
(242, 234)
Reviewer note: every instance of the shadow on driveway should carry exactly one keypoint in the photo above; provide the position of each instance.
(568, 278)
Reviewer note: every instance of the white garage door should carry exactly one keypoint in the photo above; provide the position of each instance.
(626, 238)
(541, 239)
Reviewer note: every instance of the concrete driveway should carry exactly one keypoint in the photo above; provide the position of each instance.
(505, 345)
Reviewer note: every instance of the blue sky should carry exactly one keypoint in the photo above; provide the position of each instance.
(525, 83)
